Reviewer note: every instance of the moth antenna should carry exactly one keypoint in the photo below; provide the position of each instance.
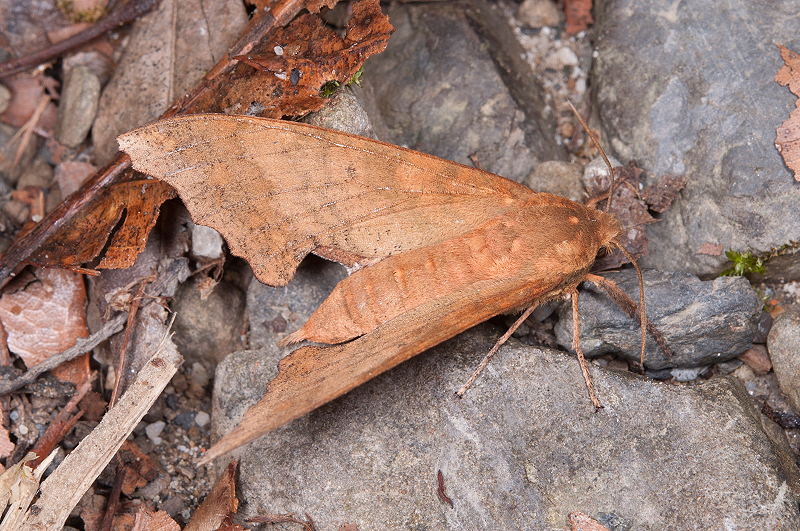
(596, 142)
(485, 360)
(642, 312)
(576, 344)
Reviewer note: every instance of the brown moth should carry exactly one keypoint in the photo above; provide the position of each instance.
(437, 247)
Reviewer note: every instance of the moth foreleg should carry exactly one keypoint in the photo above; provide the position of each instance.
(503, 339)
(581, 359)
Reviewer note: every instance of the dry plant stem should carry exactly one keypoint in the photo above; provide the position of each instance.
(65, 487)
(123, 351)
(126, 13)
(485, 360)
(14, 258)
(25, 132)
(81, 346)
(23, 493)
(113, 499)
(60, 425)
(577, 346)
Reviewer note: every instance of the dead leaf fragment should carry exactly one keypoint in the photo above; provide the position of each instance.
(84, 237)
(787, 141)
(154, 521)
(711, 249)
(283, 76)
(6, 446)
(583, 522)
(46, 317)
(661, 195)
(220, 503)
(578, 14)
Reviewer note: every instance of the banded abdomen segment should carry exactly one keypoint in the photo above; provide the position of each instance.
(493, 252)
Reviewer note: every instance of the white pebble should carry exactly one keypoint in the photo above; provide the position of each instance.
(278, 50)
(154, 430)
(202, 418)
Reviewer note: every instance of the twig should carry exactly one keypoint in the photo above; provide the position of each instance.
(66, 486)
(81, 346)
(61, 425)
(113, 498)
(128, 12)
(123, 351)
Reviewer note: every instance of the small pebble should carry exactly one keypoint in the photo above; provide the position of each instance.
(202, 418)
(758, 359)
(23, 429)
(154, 430)
(199, 374)
(185, 420)
(687, 375)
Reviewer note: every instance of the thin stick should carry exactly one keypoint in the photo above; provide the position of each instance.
(123, 351)
(581, 358)
(126, 13)
(81, 346)
(66, 486)
(492, 352)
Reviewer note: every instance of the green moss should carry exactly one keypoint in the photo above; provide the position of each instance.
(743, 264)
(328, 89)
(356, 79)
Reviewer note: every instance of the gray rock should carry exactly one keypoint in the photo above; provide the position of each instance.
(522, 450)
(344, 112)
(784, 350)
(206, 242)
(678, 91)
(703, 322)
(208, 330)
(78, 106)
(436, 89)
(557, 177)
(275, 312)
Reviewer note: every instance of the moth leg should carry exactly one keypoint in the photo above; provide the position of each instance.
(485, 360)
(576, 345)
(629, 306)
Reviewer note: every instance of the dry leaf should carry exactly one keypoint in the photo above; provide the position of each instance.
(445, 246)
(84, 238)
(154, 521)
(578, 14)
(787, 141)
(220, 503)
(45, 318)
(294, 65)
(661, 195)
(6, 446)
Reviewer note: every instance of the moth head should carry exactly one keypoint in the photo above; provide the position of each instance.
(609, 230)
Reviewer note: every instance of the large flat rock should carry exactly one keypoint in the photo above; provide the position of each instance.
(522, 450)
